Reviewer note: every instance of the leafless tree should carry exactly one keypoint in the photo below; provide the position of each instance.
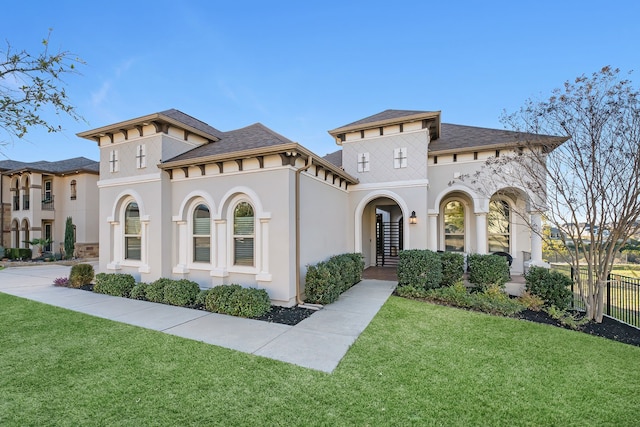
(31, 84)
(589, 186)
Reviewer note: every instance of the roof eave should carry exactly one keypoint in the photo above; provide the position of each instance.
(553, 142)
(386, 122)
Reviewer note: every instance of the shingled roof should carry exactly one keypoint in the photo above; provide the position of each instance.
(60, 167)
(385, 116)
(460, 137)
(251, 137)
(334, 158)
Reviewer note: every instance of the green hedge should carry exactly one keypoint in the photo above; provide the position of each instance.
(487, 270)
(238, 301)
(325, 281)
(452, 267)
(80, 275)
(420, 269)
(181, 292)
(139, 291)
(116, 284)
(552, 286)
(155, 290)
(18, 253)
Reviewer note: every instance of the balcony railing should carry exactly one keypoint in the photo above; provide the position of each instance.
(16, 203)
(47, 204)
(25, 202)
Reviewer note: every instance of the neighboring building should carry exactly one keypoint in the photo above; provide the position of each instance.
(38, 197)
(181, 199)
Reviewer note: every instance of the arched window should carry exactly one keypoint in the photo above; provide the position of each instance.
(25, 195)
(201, 234)
(243, 234)
(16, 234)
(73, 189)
(454, 226)
(498, 226)
(27, 237)
(132, 240)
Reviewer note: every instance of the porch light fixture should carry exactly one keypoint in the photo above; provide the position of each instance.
(413, 219)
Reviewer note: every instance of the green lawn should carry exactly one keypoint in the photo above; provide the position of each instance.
(416, 364)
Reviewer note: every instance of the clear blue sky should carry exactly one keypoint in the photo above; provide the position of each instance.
(304, 67)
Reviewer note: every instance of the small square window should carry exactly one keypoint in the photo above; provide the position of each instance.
(363, 162)
(400, 158)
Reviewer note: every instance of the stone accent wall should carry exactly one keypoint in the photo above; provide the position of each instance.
(86, 250)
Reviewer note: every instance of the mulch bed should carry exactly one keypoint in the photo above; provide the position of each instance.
(609, 328)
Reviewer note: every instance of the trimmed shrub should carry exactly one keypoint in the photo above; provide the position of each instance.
(491, 300)
(238, 301)
(181, 292)
(155, 290)
(139, 291)
(116, 284)
(80, 275)
(325, 281)
(452, 268)
(201, 298)
(18, 253)
(420, 269)
(456, 295)
(487, 270)
(552, 286)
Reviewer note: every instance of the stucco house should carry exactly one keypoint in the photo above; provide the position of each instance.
(182, 199)
(38, 197)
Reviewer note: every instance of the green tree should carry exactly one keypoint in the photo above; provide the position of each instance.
(589, 186)
(32, 84)
(69, 240)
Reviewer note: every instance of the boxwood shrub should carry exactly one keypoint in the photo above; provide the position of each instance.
(552, 286)
(452, 267)
(181, 292)
(487, 270)
(139, 291)
(116, 284)
(237, 301)
(155, 290)
(18, 253)
(80, 275)
(420, 269)
(325, 281)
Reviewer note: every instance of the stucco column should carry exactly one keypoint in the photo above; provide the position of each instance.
(263, 269)
(220, 261)
(144, 240)
(481, 233)
(433, 232)
(536, 240)
(116, 245)
(181, 267)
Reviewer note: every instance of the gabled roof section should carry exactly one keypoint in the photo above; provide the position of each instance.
(61, 167)
(334, 158)
(252, 137)
(431, 119)
(454, 138)
(171, 117)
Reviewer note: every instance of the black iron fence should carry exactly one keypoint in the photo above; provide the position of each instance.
(622, 297)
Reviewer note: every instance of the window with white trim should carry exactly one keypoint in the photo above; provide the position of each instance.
(363, 162)
(132, 232)
(454, 226)
(243, 234)
(113, 161)
(399, 158)
(201, 234)
(499, 226)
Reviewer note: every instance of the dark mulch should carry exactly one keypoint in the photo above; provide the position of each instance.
(609, 328)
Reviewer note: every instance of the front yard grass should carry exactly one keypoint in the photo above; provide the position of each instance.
(416, 364)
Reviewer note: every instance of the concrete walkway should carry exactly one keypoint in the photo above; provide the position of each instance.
(318, 342)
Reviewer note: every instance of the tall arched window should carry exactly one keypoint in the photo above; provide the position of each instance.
(27, 237)
(132, 240)
(201, 234)
(16, 234)
(25, 195)
(454, 226)
(73, 189)
(498, 226)
(243, 234)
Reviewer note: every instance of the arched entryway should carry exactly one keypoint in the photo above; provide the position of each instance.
(382, 231)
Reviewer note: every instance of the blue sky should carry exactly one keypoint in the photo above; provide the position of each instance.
(302, 68)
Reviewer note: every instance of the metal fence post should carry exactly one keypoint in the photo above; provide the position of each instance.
(609, 294)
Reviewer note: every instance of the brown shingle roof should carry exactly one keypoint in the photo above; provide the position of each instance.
(58, 167)
(334, 158)
(386, 115)
(254, 136)
(460, 137)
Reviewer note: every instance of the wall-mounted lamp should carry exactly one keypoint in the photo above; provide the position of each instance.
(413, 219)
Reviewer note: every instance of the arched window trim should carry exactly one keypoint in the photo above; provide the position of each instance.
(132, 232)
(509, 234)
(465, 225)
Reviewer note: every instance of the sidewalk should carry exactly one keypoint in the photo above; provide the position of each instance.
(318, 342)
